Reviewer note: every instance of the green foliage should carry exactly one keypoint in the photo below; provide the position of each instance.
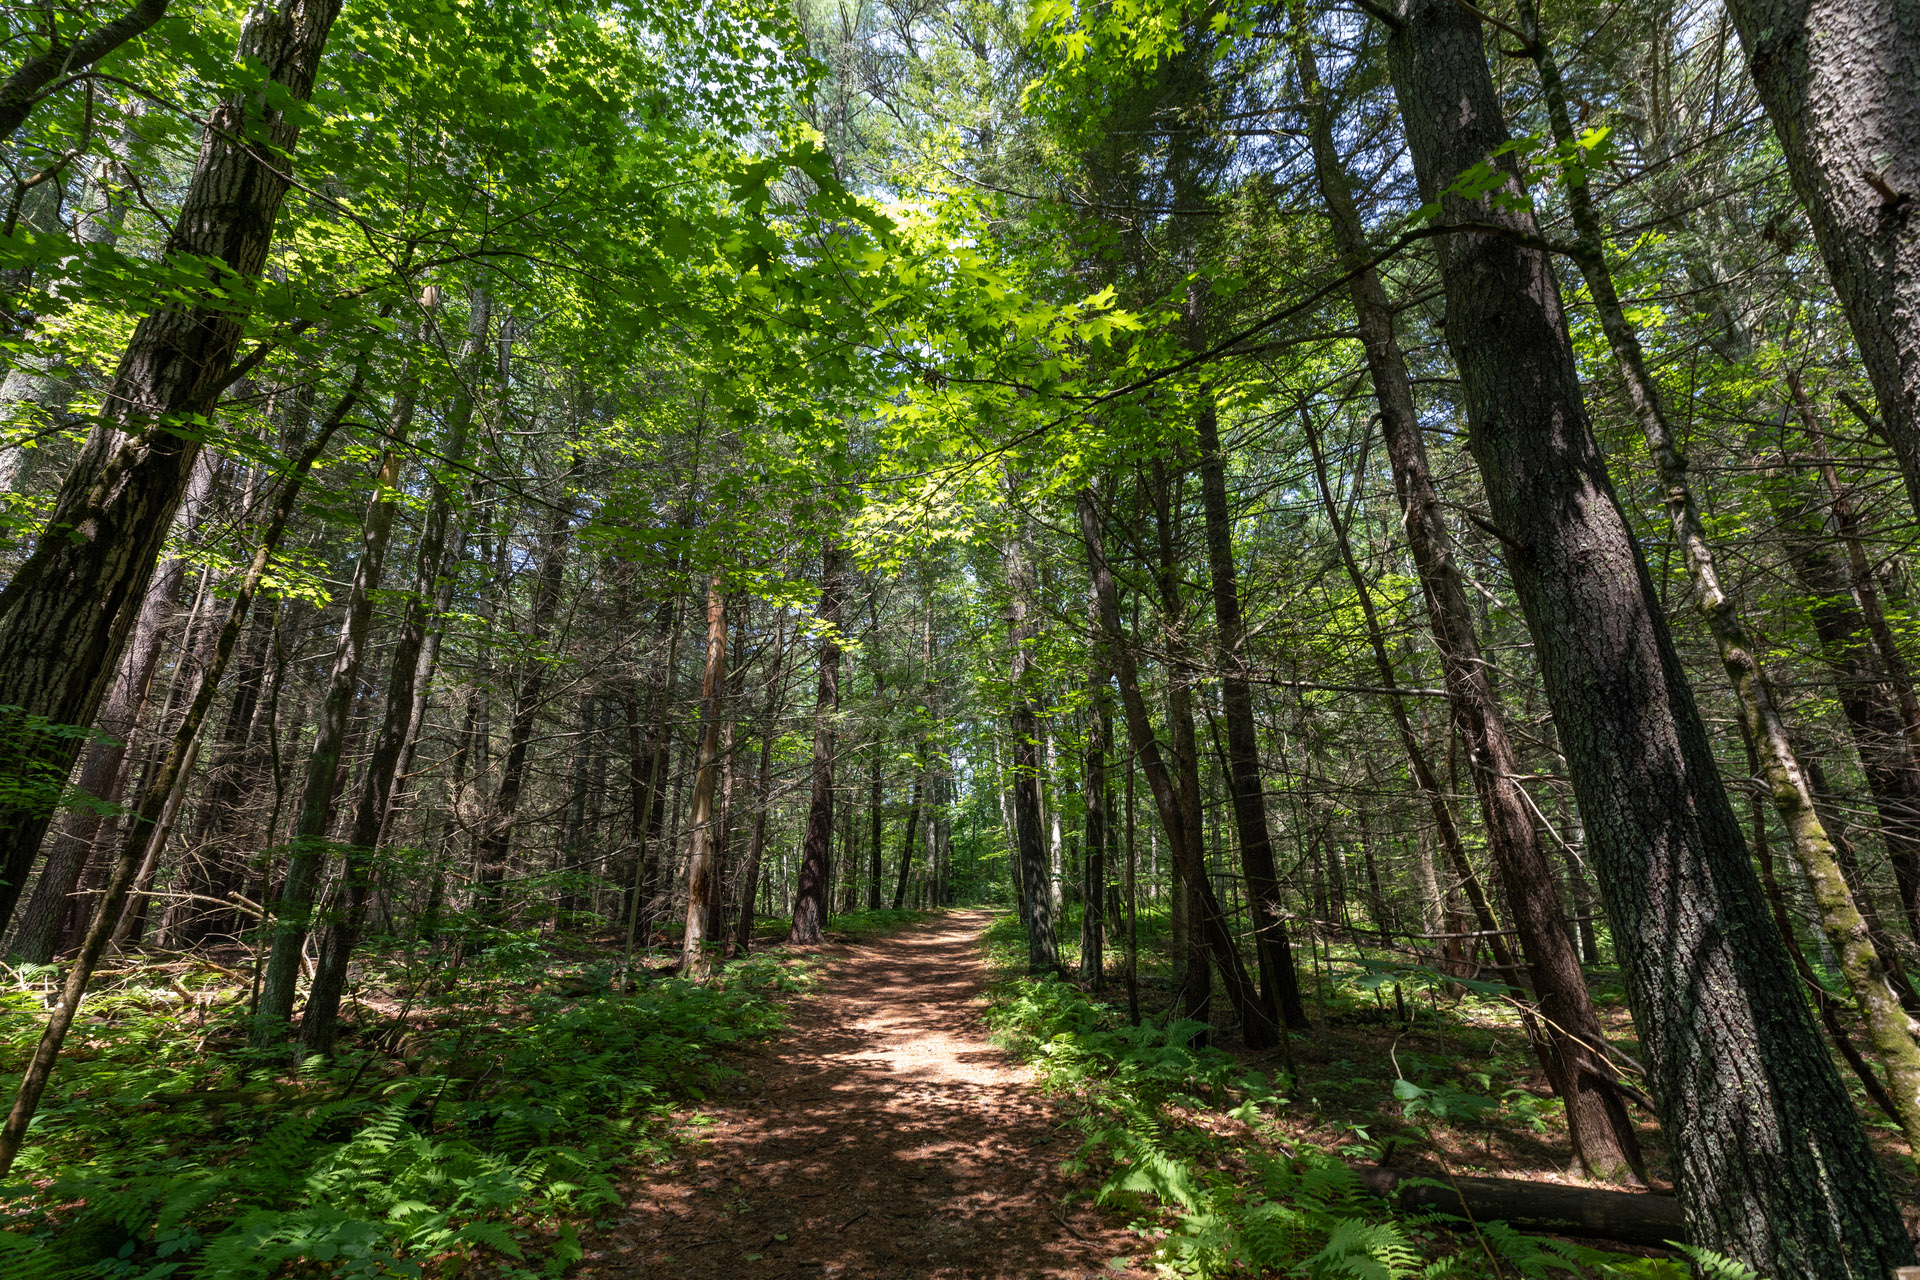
(1247, 1203)
(35, 777)
(153, 1157)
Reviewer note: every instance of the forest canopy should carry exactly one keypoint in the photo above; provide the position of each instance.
(512, 503)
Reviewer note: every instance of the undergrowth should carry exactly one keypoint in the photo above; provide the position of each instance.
(468, 1124)
(1187, 1139)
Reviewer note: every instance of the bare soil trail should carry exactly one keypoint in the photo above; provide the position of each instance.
(882, 1139)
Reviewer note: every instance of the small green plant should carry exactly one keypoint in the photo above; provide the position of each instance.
(500, 1116)
(1226, 1205)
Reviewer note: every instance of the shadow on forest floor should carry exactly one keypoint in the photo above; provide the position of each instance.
(884, 1137)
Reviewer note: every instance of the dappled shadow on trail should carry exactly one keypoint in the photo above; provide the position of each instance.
(883, 1139)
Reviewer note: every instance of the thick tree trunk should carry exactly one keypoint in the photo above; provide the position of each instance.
(104, 771)
(1765, 728)
(1278, 976)
(65, 615)
(810, 891)
(1770, 1160)
(1569, 1032)
(157, 804)
(703, 823)
(1837, 77)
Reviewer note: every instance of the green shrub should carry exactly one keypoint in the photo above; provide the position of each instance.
(152, 1158)
(1249, 1205)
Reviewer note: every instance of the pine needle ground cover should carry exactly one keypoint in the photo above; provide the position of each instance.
(474, 1114)
(1202, 1149)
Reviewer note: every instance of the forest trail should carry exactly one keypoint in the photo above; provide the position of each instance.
(883, 1137)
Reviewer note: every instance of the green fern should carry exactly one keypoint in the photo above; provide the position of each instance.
(1716, 1266)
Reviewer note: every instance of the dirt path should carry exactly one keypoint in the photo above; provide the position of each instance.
(883, 1139)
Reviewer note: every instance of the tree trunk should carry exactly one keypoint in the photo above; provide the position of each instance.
(646, 774)
(1864, 691)
(703, 823)
(1278, 976)
(496, 838)
(65, 614)
(1623, 1216)
(104, 772)
(810, 891)
(922, 757)
(876, 817)
(1093, 893)
(1569, 1035)
(308, 855)
(347, 917)
(1043, 946)
(1259, 1030)
(156, 804)
(1777, 764)
(221, 859)
(762, 789)
(1837, 77)
(65, 56)
(1771, 1162)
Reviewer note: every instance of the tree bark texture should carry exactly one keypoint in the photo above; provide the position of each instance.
(1602, 1132)
(1770, 1160)
(107, 764)
(1778, 766)
(160, 798)
(65, 615)
(1837, 78)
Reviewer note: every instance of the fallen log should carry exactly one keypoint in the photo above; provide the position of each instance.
(1629, 1217)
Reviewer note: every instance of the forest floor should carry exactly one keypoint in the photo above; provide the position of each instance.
(883, 1136)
